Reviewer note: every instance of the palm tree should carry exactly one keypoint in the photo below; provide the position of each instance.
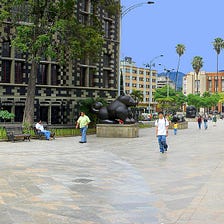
(180, 49)
(137, 96)
(218, 45)
(197, 64)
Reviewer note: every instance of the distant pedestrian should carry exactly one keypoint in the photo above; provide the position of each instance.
(205, 123)
(162, 125)
(214, 120)
(199, 122)
(175, 127)
(83, 123)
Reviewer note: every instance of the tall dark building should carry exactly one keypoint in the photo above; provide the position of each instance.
(59, 88)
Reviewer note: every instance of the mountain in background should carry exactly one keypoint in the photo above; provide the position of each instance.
(172, 76)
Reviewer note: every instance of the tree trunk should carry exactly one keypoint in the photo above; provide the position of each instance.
(176, 76)
(217, 74)
(28, 116)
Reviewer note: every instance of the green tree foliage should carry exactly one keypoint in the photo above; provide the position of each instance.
(50, 29)
(169, 99)
(85, 105)
(137, 95)
(5, 115)
(180, 49)
(205, 101)
(197, 64)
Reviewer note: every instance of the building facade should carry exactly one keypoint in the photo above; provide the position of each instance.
(59, 88)
(138, 78)
(193, 84)
(211, 82)
(164, 81)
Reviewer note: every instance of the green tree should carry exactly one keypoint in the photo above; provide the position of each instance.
(137, 95)
(50, 29)
(180, 49)
(194, 100)
(218, 45)
(197, 64)
(171, 103)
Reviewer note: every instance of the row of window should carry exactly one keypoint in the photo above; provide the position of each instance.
(86, 74)
(19, 72)
(140, 79)
(43, 113)
(139, 86)
(141, 72)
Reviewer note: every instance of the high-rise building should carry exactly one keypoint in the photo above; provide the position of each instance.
(59, 88)
(138, 78)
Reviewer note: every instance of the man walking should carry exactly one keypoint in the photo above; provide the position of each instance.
(162, 125)
(83, 123)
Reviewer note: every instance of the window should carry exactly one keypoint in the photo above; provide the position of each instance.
(55, 115)
(83, 76)
(6, 49)
(54, 74)
(107, 27)
(134, 85)
(134, 71)
(18, 72)
(6, 69)
(210, 85)
(84, 19)
(134, 78)
(197, 86)
(127, 70)
(127, 84)
(42, 74)
(92, 72)
(44, 114)
(84, 5)
(106, 79)
(19, 113)
(141, 72)
(141, 79)
(106, 60)
(222, 85)
(18, 54)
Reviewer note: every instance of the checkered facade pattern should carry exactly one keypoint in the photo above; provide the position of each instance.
(59, 88)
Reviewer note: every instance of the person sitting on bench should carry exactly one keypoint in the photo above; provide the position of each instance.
(40, 128)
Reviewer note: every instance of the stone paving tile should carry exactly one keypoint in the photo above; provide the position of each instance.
(115, 181)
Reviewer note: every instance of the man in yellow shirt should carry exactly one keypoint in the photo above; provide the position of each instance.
(83, 123)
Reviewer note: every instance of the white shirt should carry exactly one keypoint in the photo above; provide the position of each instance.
(162, 124)
(39, 127)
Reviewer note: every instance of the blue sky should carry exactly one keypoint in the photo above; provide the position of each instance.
(151, 30)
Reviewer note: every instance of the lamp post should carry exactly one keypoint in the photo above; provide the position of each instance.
(122, 14)
(150, 65)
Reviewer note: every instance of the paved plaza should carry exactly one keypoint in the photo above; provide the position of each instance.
(115, 181)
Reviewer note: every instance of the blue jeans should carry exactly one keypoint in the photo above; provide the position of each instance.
(206, 125)
(83, 132)
(199, 125)
(162, 143)
(47, 134)
(175, 131)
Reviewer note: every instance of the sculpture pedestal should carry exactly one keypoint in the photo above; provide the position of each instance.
(117, 130)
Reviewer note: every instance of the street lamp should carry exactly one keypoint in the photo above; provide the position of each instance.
(122, 14)
(150, 65)
(168, 81)
(130, 8)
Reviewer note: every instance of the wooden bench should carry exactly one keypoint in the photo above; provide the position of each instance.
(16, 133)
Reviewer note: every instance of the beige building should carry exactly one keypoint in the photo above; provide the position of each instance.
(139, 78)
(193, 84)
(163, 81)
